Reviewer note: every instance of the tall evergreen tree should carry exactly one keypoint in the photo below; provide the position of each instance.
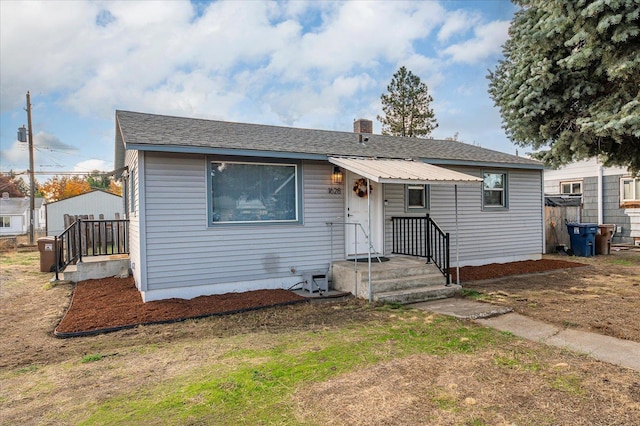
(569, 84)
(406, 107)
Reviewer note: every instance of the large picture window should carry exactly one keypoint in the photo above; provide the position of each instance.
(494, 194)
(254, 192)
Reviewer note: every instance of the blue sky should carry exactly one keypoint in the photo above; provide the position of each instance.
(304, 64)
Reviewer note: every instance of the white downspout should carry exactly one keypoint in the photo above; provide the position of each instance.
(600, 201)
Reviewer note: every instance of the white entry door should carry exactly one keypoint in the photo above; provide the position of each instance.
(357, 213)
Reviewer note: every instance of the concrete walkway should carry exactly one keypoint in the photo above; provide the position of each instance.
(624, 353)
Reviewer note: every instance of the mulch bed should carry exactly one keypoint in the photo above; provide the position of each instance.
(111, 304)
(498, 270)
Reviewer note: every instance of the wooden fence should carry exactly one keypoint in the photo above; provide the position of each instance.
(556, 218)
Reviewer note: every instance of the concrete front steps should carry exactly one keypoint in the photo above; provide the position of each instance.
(400, 280)
(96, 267)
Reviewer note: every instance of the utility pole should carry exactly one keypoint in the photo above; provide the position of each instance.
(32, 185)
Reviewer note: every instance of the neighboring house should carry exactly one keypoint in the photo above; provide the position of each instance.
(216, 207)
(15, 217)
(610, 195)
(94, 203)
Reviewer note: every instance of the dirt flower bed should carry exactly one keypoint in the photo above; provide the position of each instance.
(499, 270)
(112, 303)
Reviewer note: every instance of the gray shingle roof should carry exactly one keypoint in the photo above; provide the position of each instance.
(157, 132)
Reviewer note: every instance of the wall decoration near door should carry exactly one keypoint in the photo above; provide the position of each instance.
(360, 188)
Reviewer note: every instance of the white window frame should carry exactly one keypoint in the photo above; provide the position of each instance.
(636, 196)
(5, 221)
(504, 190)
(572, 183)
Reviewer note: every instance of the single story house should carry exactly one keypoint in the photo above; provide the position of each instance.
(216, 207)
(96, 203)
(609, 195)
(15, 217)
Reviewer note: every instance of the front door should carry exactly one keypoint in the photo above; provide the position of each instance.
(357, 213)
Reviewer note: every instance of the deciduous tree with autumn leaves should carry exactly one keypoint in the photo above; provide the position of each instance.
(61, 187)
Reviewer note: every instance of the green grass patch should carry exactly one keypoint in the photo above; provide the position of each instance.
(255, 383)
(91, 358)
(18, 258)
(517, 362)
(27, 369)
(622, 262)
(473, 294)
(570, 384)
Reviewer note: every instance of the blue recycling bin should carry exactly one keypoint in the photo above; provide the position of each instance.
(583, 238)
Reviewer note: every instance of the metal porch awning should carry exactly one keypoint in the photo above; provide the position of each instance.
(402, 171)
(405, 172)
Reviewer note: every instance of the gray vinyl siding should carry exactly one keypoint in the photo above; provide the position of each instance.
(135, 244)
(589, 213)
(184, 250)
(612, 213)
(485, 236)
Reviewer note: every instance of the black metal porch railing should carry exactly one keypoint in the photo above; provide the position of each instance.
(422, 237)
(90, 238)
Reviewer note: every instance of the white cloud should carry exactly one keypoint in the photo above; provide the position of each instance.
(300, 63)
(488, 41)
(91, 165)
(15, 156)
(456, 23)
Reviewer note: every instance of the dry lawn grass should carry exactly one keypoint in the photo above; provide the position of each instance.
(45, 380)
(601, 297)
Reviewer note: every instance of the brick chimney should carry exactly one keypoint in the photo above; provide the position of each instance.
(362, 125)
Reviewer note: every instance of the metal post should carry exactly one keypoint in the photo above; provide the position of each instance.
(56, 255)
(32, 186)
(457, 245)
(369, 237)
(355, 266)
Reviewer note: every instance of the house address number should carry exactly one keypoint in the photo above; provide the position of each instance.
(335, 191)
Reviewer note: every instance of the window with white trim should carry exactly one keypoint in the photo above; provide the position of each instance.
(246, 192)
(5, 221)
(571, 188)
(416, 198)
(494, 190)
(630, 189)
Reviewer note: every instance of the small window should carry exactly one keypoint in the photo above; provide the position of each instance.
(494, 194)
(5, 221)
(630, 189)
(571, 188)
(416, 198)
(254, 192)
